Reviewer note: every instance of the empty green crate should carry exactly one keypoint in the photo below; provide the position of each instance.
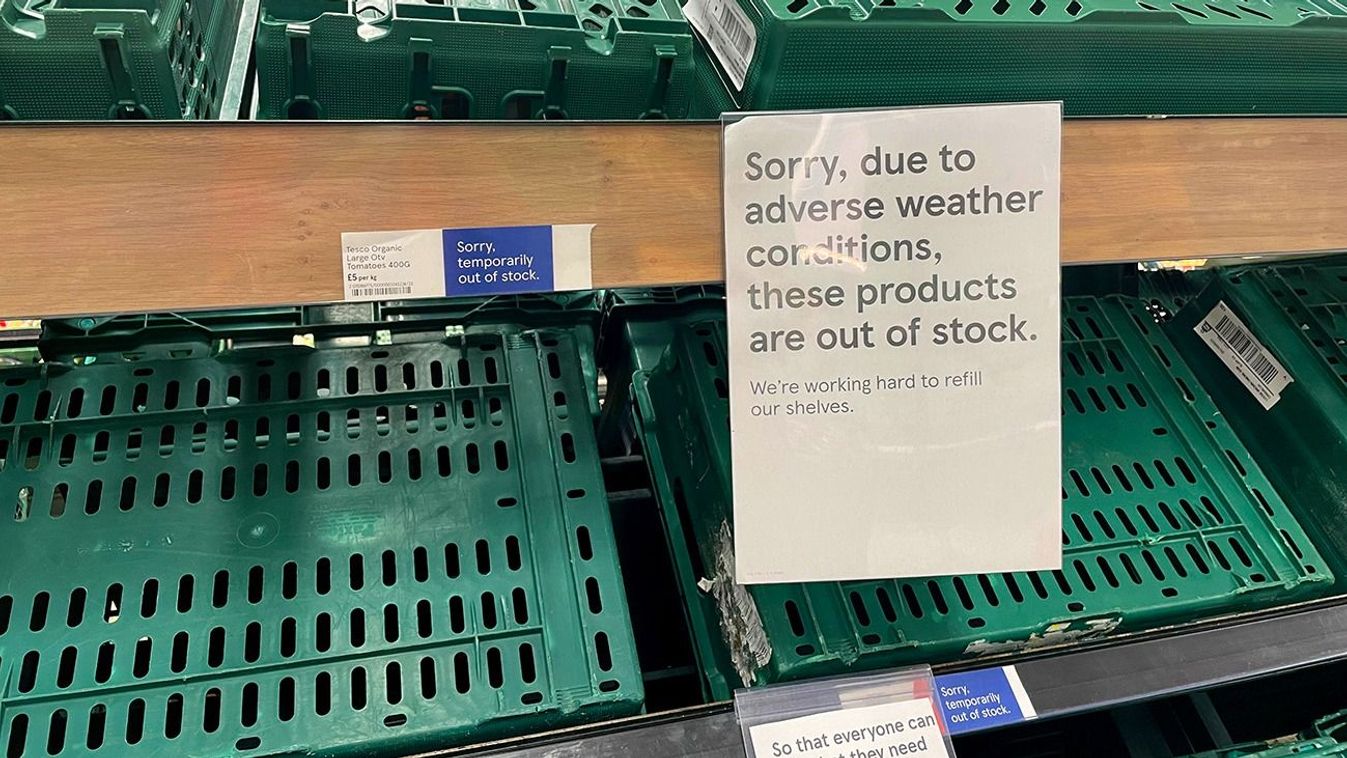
(1166, 292)
(1166, 519)
(710, 97)
(1100, 57)
(492, 59)
(123, 59)
(1321, 741)
(1298, 312)
(135, 337)
(1313, 747)
(637, 327)
(16, 356)
(307, 551)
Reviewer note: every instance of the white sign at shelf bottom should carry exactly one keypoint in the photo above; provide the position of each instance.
(890, 730)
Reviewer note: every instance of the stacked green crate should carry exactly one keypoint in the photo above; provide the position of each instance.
(121, 59)
(711, 96)
(203, 333)
(491, 59)
(1166, 519)
(1321, 741)
(637, 327)
(1101, 57)
(18, 342)
(1297, 313)
(1311, 747)
(1165, 291)
(342, 549)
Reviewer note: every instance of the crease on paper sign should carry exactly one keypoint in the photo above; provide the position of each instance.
(740, 623)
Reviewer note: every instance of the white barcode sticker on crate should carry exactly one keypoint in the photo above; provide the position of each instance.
(729, 33)
(1244, 355)
(500, 260)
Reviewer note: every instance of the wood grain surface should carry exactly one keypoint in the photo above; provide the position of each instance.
(114, 218)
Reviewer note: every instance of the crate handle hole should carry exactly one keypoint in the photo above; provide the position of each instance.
(248, 743)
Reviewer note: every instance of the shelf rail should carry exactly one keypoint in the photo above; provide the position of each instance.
(1148, 667)
(122, 218)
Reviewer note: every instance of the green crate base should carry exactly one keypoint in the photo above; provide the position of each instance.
(117, 59)
(335, 551)
(1299, 313)
(1166, 519)
(484, 59)
(1100, 57)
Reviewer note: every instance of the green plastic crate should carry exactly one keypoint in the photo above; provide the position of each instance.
(309, 551)
(1166, 292)
(1100, 57)
(123, 59)
(135, 337)
(1313, 747)
(491, 59)
(1299, 313)
(18, 343)
(1321, 741)
(1166, 519)
(711, 96)
(637, 327)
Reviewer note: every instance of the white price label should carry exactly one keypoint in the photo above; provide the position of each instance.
(728, 32)
(1242, 353)
(393, 265)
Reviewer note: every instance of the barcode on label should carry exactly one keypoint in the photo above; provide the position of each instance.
(403, 289)
(1244, 355)
(735, 30)
(728, 33)
(1243, 344)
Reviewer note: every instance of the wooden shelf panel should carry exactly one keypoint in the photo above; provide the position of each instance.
(107, 218)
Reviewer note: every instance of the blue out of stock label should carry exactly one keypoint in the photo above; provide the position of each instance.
(498, 261)
(501, 260)
(982, 699)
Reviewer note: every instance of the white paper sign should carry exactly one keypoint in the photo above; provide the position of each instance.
(891, 730)
(893, 292)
